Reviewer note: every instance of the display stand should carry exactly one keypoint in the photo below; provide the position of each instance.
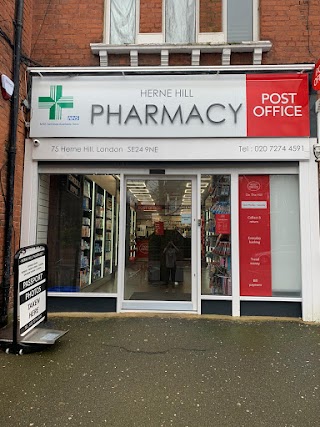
(25, 335)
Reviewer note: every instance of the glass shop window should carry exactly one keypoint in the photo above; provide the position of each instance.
(78, 218)
(215, 235)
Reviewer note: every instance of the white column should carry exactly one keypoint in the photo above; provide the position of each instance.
(235, 256)
(314, 217)
(29, 197)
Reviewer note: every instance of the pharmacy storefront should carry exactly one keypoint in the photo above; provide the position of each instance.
(174, 193)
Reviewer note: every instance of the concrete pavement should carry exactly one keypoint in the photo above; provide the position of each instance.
(166, 370)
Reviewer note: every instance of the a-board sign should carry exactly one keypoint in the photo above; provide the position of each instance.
(31, 274)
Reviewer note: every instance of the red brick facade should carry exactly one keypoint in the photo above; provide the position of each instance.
(63, 31)
(59, 33)
(7, 14)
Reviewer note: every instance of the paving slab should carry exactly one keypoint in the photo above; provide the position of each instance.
(164, 370)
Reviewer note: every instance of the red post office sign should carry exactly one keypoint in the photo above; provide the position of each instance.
(316, 76)
(277, 105)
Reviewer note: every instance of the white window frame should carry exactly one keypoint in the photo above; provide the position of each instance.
(255, 23)
(204, 37)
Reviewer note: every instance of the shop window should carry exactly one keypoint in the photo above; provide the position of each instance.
(215, 235)
(182, 21)
(269, 236)
(78, 218)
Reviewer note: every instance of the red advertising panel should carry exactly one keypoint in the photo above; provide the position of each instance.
(159, 228)
(278, 105)
(223, 224)
(143, 248)
(254, 235)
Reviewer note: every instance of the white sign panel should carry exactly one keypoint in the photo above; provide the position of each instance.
(139, 107)
(191, 149)
(32, 284)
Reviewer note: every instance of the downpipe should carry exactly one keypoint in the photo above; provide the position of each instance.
(14, 112)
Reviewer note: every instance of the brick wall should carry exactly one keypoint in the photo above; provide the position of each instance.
(63, 31)
(6, 25)
(151, 16)
(210, 16)
(293, 26)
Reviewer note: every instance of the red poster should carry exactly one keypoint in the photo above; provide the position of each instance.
(159, 228)
(142, 248)
(278, 105)
(254, 235)
(223, 224)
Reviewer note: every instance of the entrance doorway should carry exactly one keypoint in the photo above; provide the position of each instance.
(159, 244)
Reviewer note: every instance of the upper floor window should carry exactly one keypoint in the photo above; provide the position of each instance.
(181, 21)
(122, 21)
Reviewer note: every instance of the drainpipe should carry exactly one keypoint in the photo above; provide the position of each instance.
(14, 112)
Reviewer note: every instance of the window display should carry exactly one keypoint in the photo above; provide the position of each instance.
(216, 230)
(82, 232)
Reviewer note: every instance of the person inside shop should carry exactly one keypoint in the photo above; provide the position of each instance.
(170, 252)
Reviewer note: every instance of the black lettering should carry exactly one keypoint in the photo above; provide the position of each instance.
(194, 114)
(208, 113)
(114, 113)
(151, 113)
(96, 110)
(235, 112)
(133, 114)
(172, 119)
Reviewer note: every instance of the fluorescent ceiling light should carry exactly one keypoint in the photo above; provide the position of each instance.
(139, 190)
(138, 184)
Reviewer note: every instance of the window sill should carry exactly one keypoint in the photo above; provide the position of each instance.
(195, 50)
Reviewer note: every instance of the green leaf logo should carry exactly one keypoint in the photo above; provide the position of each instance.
(55, 102)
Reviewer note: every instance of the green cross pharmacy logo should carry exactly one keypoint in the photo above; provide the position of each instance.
(55, 103)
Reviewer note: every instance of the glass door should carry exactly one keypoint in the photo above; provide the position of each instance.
(159, 237)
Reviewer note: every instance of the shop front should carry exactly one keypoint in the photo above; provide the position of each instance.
(174, 193)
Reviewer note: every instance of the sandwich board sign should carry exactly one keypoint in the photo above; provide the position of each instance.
(30, 303)
(32, 287)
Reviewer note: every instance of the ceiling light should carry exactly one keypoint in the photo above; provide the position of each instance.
(139, 184)
(139, 190)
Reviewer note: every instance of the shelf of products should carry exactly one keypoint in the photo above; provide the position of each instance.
(108, 252)
(85, 248)
(97, 271)
(97, 237)
(216, 236)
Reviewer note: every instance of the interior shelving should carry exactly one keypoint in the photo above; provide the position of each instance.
(97, 235)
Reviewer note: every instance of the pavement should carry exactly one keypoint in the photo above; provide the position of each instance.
(166, 370)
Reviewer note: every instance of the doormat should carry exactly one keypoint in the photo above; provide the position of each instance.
(161, 296)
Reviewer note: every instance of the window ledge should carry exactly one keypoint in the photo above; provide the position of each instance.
(195, 50)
